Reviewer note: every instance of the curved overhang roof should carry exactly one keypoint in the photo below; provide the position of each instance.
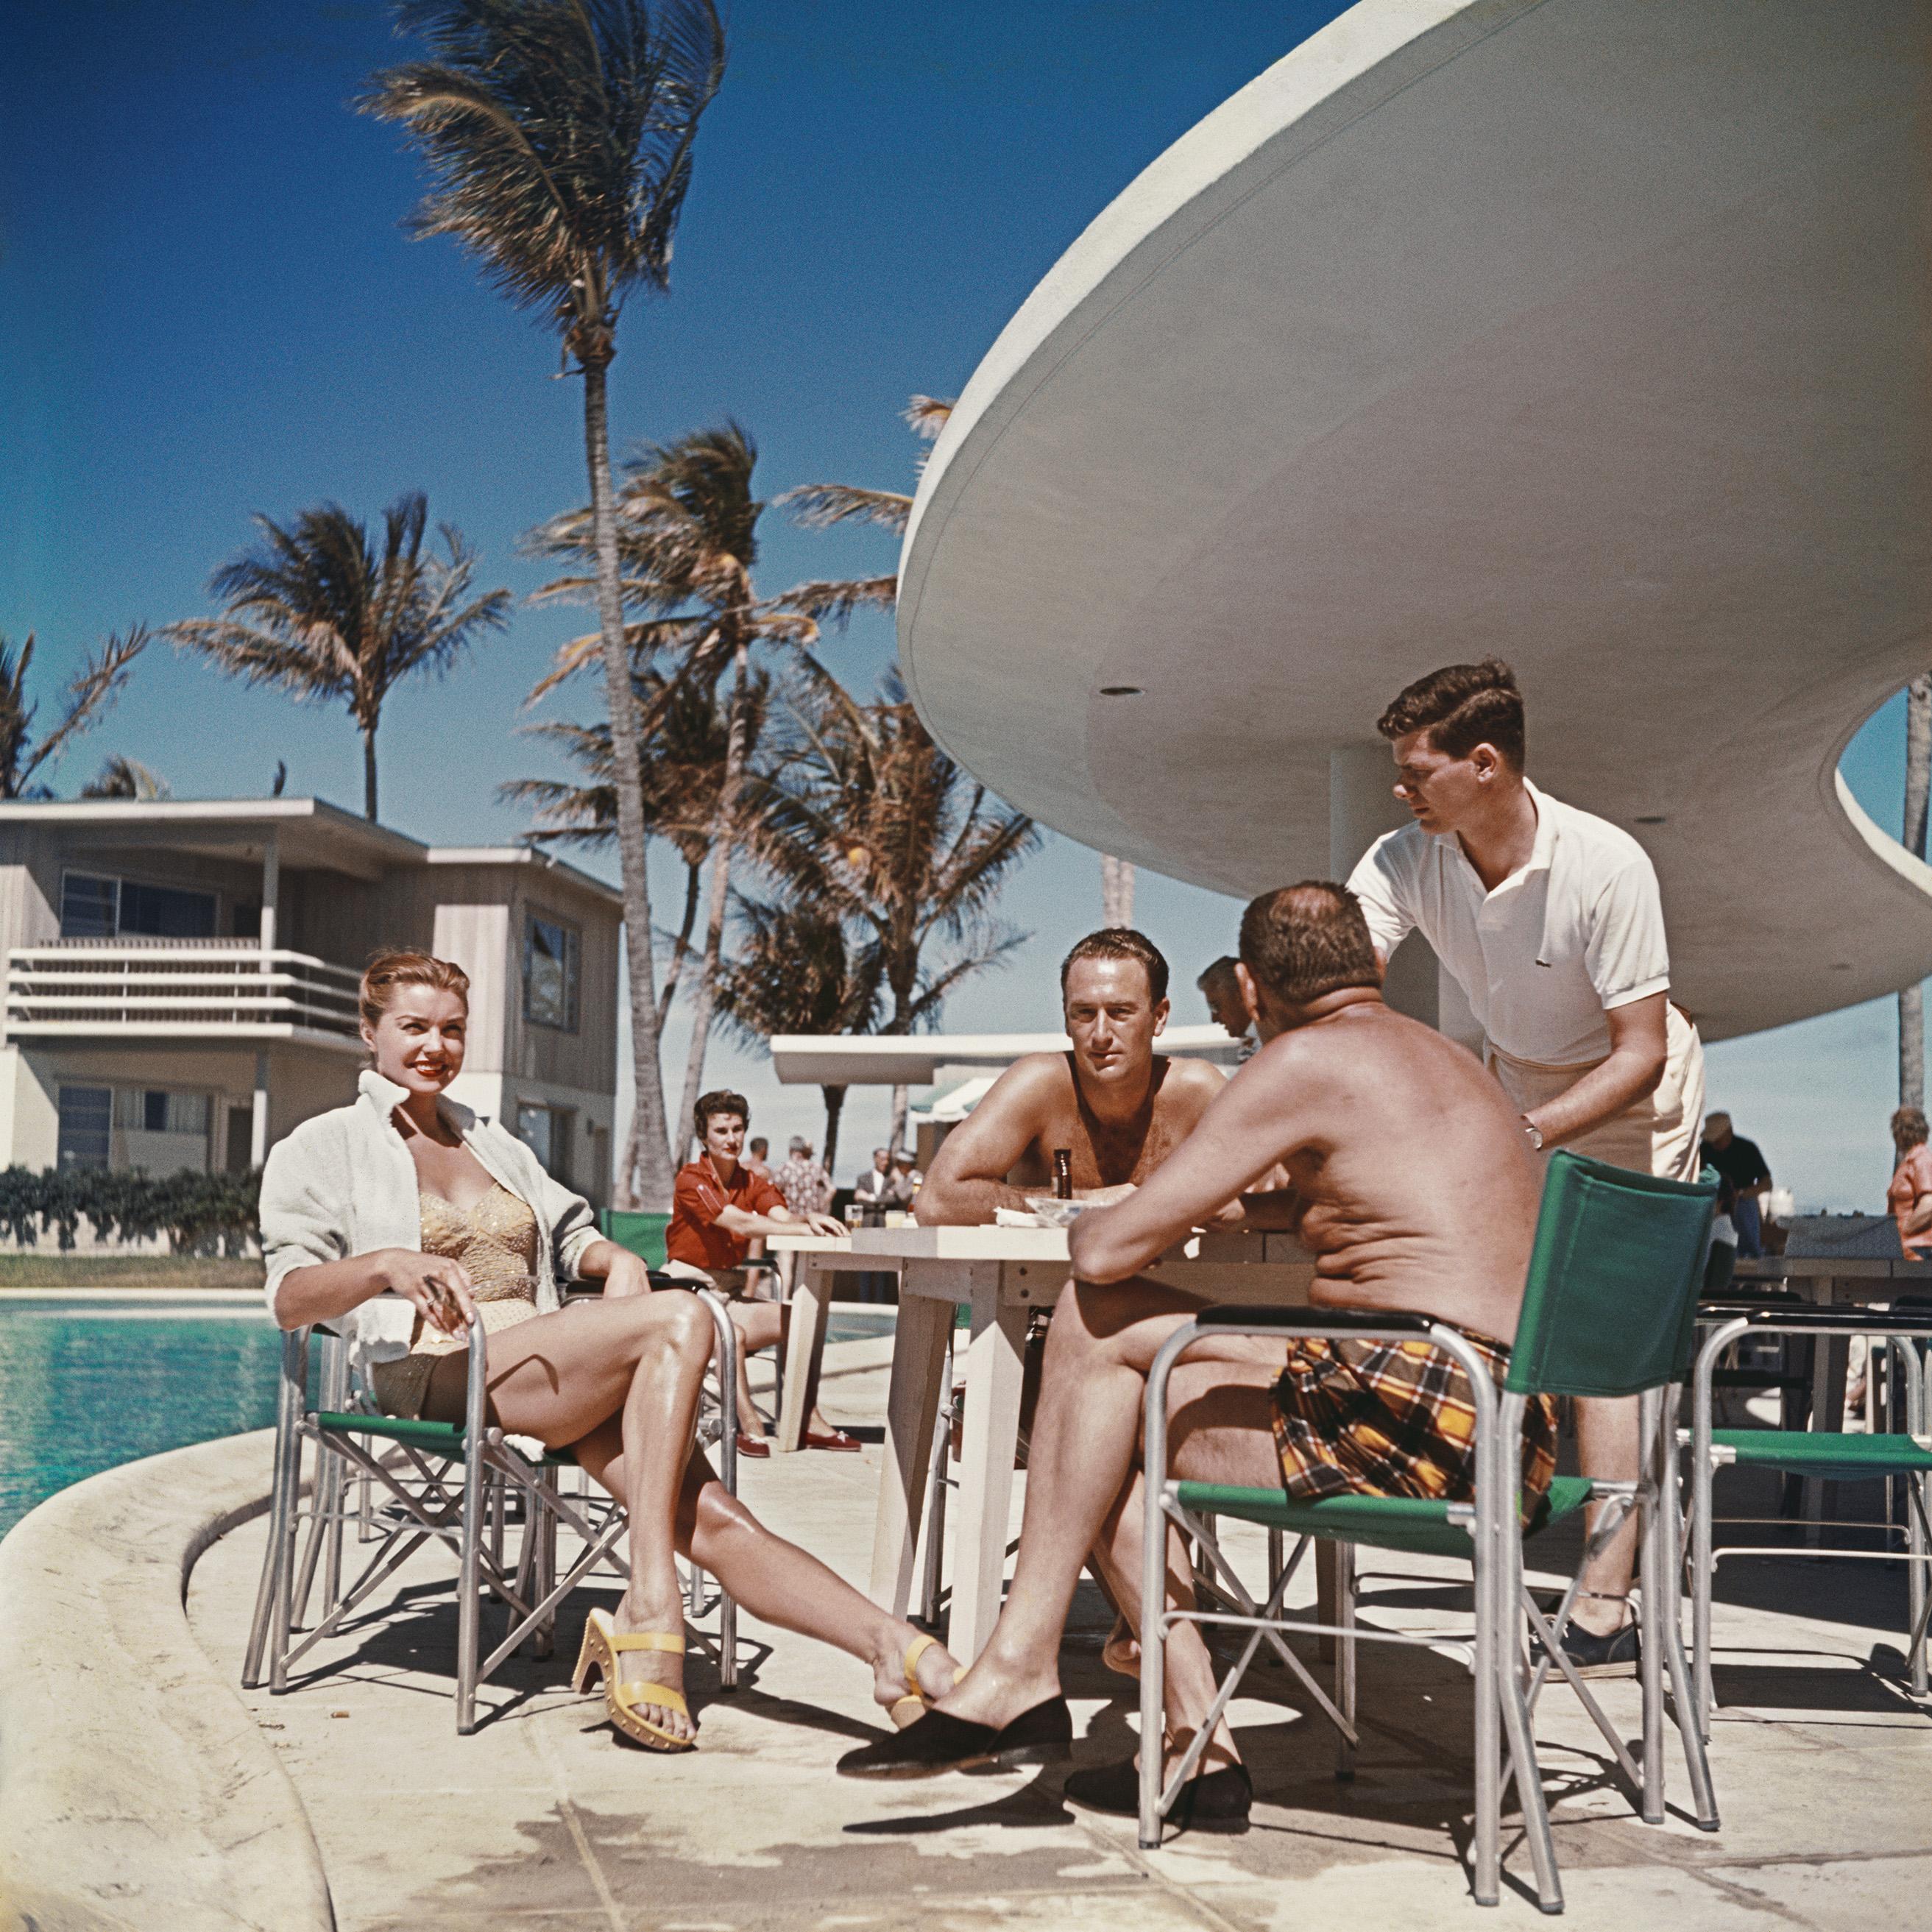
(1593, 333)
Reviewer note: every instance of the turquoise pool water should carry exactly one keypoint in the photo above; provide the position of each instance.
(88, 1382)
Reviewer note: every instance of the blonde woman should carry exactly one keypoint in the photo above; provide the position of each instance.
(395, 1219)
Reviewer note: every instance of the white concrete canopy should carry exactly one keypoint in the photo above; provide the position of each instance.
(1593, 333)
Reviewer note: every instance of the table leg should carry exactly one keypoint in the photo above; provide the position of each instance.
(1830, 1358)
(995, 1360)
(811, 1305)
(912, 1404)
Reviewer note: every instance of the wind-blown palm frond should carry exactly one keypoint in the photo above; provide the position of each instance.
(91, 692)
(818, 506)
(126, 778)
(317, 609)
(925, 416)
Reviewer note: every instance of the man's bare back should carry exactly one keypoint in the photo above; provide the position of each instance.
(1119, 1107)
(1413, 1187)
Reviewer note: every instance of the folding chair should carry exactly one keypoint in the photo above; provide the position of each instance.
(1607, 1311)
(1817, 1453)
(452, 1482)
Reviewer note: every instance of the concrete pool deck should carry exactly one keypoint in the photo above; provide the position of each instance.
(541, 1819)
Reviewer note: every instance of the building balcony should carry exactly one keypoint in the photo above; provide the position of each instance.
(211, 990)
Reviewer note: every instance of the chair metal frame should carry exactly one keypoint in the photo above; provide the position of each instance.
(471, 1518)
(1708, 1455)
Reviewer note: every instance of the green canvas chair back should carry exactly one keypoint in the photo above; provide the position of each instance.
(642, 1234)
(1611, 1300)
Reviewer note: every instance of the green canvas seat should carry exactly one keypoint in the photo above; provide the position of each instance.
(1609, 1310)
(1838, 1458)
(1413, 1525)
(439, 1437)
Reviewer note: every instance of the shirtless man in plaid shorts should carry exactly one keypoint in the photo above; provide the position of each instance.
(1414, 1187)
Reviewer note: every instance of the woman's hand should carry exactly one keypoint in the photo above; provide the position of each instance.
(827, 1224)
(628, 1275)
(439, 1289)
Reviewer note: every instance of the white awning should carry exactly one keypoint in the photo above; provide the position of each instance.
(914, 1060)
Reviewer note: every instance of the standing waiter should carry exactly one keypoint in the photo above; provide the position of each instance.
(1549, 920)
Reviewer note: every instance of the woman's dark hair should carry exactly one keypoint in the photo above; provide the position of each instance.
(724, 1101)
(1121, 942)
(1302, 941)
(1461, 706)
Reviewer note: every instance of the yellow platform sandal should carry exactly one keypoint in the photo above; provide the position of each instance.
(603, 1644)
(914, 1705)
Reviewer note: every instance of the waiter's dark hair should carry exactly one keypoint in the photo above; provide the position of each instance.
(1120, 942)
(724, 1101)
(1460, 706)
(1303, 940)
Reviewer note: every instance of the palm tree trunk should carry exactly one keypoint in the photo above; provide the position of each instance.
(902, 1097)
(1918, 788)
(653, 1141)
(369, 773)
(835, 1105)
(1117, 891)
(691, 873)
(722, 829)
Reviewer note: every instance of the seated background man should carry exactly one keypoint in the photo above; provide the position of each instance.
(718, 1205)
(1414, 1187)
(1119, 1107)
(1221, 987)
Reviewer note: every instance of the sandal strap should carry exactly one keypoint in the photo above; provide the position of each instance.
(915, 1650)
(669, 1640)
(640, 1691)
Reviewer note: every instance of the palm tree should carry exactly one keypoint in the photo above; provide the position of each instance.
(1918, 784)
(819, 506)
(319, 610)
(99, 682)
(867, 816)
(558, 136)
(688, 539)
(797, 967)
(126, 778)
(683, 776)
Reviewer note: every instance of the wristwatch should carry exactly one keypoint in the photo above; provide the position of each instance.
(1534, 1132)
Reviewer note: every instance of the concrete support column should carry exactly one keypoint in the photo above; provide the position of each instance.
(258, 1125)
(272, 886)
(1362, 806)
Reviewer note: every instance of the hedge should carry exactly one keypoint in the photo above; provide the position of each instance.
(194, 1210)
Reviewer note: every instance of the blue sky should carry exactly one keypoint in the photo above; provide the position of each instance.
(208, 308)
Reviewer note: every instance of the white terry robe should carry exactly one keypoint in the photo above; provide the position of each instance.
(343, 1183)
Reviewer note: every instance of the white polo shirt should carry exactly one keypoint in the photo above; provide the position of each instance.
(1575, 933)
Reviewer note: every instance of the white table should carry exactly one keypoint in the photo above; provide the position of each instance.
(1001, 1275)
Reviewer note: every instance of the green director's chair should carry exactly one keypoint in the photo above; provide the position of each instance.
(1608, 1311)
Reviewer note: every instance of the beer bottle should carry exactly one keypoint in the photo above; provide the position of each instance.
(1063, 1174)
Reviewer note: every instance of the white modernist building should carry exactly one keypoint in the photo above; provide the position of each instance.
(181, 977)
(1590, 333)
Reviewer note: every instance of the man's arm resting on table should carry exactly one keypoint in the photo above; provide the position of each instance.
(1256, 1120)
(966, 1181)
(1634, 1067)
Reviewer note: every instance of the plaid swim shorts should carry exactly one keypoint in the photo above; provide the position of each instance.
(1394, 1418)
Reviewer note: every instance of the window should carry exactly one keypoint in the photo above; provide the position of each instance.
(541, 1129)
(86, 1117)
(550, 974)
(154, 1110)
(93, 907)
(90, 907)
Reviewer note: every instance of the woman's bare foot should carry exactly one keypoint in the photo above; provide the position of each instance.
(1121, 1652)
(935, 1670)
(665, 1667)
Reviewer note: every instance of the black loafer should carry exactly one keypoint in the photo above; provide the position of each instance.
(1593, 1656)
(1210, 1801)
(940, 1741)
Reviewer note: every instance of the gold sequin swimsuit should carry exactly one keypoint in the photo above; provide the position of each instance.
(496, 1242)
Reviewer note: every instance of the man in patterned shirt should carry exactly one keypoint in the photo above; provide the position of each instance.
(803, 1181)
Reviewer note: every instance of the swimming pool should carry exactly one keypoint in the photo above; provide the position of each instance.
(89, 1380)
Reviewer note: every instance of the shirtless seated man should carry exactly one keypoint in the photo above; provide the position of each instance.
(1118, 1107)
(1413, 1186)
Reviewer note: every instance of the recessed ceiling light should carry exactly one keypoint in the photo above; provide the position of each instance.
(1650, 818)
(1120, 691)
(1841, 965)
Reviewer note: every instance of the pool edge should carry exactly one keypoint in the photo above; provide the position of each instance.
(103, 1684)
